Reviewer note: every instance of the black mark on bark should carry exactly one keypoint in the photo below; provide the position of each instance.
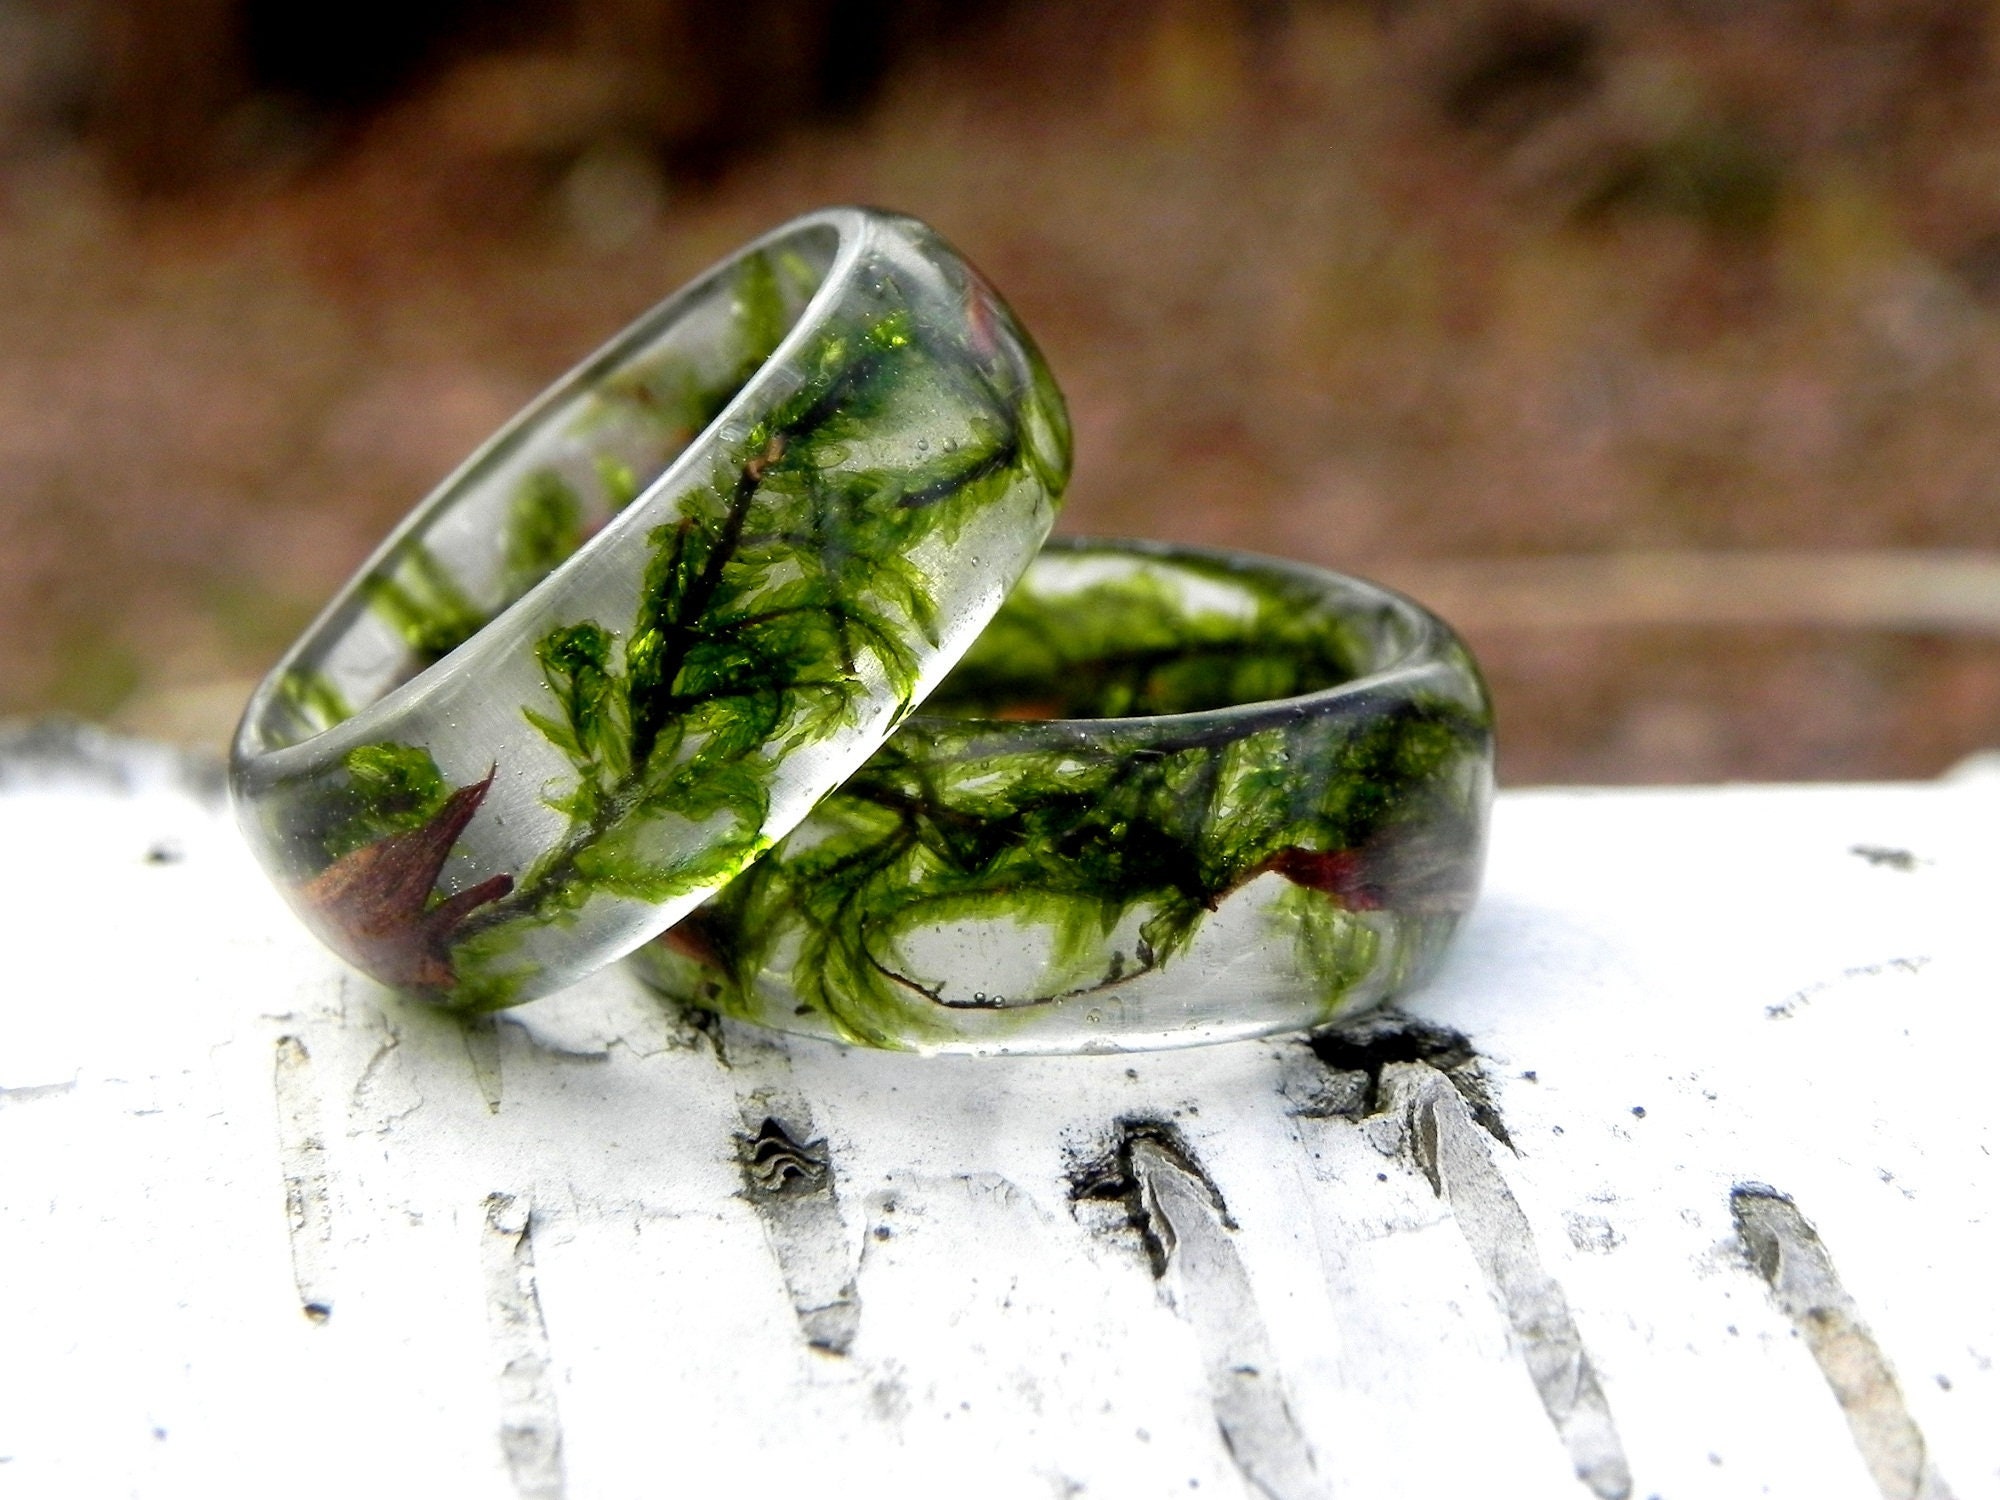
(1111, 1178)
(775, 1163)
(706, 1023)
(1886, 858)
(1355, 1056)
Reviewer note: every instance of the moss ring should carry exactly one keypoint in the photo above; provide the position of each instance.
(1169, 796)
(637, 636)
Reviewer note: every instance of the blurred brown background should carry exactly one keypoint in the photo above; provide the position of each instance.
(1657, 343)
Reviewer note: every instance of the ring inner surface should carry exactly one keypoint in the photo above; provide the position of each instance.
(1101, 632)
(551, 481)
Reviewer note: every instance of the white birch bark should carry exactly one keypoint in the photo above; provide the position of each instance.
(1708, 1207)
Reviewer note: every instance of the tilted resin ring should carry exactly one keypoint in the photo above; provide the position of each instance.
(658, 616)
(1170, 796)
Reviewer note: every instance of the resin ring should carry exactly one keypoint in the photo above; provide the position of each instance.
(1170, 796)
(658, 616)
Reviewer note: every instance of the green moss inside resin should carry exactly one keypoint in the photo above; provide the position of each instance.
(549, 518)
(1132, 645)
(1117, 840)
(781, 598)
(433, 608)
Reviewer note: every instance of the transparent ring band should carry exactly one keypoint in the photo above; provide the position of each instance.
(646, 627)
(1170, 796)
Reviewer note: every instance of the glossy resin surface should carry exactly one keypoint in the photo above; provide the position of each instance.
(638, 635)
(1170, 796)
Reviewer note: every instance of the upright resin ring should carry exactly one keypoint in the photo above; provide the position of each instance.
(665, 610)
(1170, 796)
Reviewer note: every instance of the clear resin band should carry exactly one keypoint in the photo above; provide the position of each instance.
(639, 634)
(1170, 796)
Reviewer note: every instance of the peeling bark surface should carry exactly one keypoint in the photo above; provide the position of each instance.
(530, 1429)
(269, 1230)
(1449, 1150)
(1185, 1218)
(789, 1178)
(302, 1151)
(1789, 1255)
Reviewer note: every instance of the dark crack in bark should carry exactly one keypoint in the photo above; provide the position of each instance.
(1355, 1055)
